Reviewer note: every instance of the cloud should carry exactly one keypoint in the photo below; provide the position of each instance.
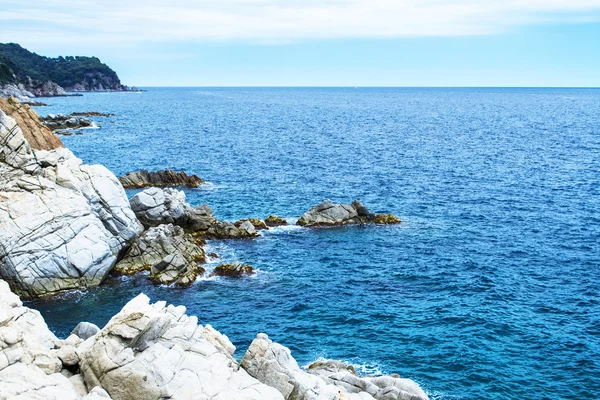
(272, 21)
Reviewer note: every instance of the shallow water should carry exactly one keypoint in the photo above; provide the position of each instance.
(489, 289)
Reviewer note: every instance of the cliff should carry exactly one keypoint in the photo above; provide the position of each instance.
(37, 75)
(37, 134)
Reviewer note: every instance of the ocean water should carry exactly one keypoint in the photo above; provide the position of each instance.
(490, 289)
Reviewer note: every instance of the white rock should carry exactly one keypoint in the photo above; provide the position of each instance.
(85, 330)
(273, 364)
(62, 223)
(151, 351)
(29, 366)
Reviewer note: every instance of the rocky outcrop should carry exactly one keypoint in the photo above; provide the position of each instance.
(329, 214)
(60, 122)
(33, 362)
(273, 364)
(155, 206)
(155, 351)
(274, 220)
(37, 134)
(256, 223)
(162, 178)
(62, 223)
(170, 254)
(17, 91)
(234, 270)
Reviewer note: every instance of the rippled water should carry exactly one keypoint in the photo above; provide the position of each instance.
(489, 289)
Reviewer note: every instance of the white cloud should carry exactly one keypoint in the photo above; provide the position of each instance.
(62, 21)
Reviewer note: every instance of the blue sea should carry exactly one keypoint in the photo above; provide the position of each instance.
(489, 289)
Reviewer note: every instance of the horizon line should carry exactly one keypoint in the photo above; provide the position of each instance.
(367, 86)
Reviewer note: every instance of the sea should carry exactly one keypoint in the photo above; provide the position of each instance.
(490, 287)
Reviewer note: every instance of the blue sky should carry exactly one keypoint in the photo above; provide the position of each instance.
(321, 43)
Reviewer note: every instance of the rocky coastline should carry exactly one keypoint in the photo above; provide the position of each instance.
(161, 178)
(66, 225)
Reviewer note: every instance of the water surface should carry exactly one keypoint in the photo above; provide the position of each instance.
(489, 289)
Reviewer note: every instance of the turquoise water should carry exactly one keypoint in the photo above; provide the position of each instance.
(489, 289)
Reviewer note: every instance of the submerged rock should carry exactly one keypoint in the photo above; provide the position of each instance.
(62, 223)
(274, 220)
(329, 214)
(273, 364)
(91, 114)
(235, 270)
(170, 254)
(160, 178)
(154, 351)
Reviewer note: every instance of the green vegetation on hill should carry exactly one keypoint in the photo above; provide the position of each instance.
(65, 71)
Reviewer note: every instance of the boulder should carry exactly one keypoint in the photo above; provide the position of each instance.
(174, 268)
(256, 223)
(155, 206)
(329, 214)
(162, 178)
(168, 252)
(273, 364)
(235, 270)
(85, 330)
(274, 220)
(390, 387)
(29, 364)
(155, 351)
(62, 223)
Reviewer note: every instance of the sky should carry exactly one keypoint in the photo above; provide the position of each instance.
(320, 42)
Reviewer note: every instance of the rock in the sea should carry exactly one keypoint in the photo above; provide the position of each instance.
(255, 222)
(155, 351)
(329, 214)
(160, 178)
(29, 364)
(235, 270)
(62, 223)
(391, 387)
(168, 252)
(155, 206)
(60, 122)
(273, 364)
(85, 330)
(274, 220)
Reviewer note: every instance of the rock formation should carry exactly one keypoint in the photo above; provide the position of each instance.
(160, 178)
(155, 206)
(273, 364)
(234, 270)
(62, 223)
(170, 254)
(274, 220)
(329, 214)
(155, 351)
(59, 122)
(256, 223)
(33, 362)
(37, 134)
